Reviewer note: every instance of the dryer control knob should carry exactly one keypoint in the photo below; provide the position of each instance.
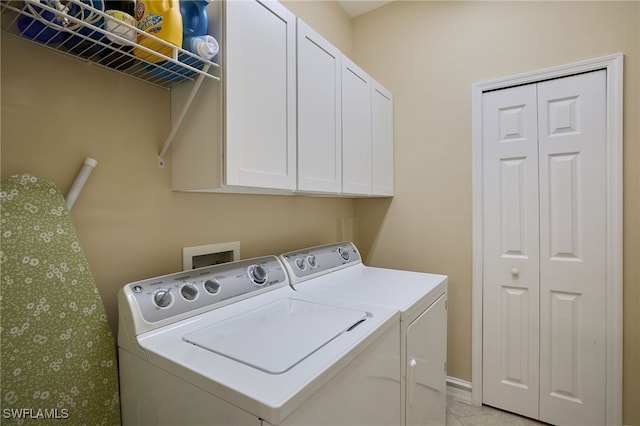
(212, 286)
(311, 260)
(344, 253)
(163, 297)
(257, 274)
(189, 292)
(300, 264)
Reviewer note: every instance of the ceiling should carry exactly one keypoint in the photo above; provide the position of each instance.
(358, 7)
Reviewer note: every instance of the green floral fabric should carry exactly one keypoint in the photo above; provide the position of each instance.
(58, 353)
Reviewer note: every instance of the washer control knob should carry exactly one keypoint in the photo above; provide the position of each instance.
(189, 292)
(212, 286)
(300, 264)
(163, 297)
(344, 253)
(257, 274)
(311, 260)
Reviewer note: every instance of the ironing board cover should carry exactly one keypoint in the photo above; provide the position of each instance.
(58, 352)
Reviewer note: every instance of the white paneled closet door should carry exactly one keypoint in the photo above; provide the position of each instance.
(573, 256)
(544, 284)
(511, 275)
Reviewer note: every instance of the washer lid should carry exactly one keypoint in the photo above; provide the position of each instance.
(278, 335)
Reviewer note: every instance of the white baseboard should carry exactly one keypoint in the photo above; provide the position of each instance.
(459, 390)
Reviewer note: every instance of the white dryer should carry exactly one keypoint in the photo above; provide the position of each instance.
(421, 299)
(234, 344)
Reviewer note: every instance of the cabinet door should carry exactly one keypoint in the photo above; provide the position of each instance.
(356, 129)
(319, 113)
(426, 366)
(382, 140)
(259, 94)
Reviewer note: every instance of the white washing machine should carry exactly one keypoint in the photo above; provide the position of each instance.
(234, 344)
(421, 299)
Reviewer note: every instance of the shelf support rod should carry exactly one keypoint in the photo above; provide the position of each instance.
(183, 113)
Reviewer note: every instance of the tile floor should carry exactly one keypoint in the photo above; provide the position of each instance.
(463, 414)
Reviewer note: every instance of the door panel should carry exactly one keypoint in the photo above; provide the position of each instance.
(564, 220)
(356, 129)
(260, 143)
(512, 191)
(515, 350)
(425, 365)
(510, 292)
(319, 113)
(572, 113)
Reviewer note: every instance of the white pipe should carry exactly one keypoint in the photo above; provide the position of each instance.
(81, 179)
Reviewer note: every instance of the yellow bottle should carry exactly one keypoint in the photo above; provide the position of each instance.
(162, 19)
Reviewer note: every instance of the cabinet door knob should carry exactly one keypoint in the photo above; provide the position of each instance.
(515, 272)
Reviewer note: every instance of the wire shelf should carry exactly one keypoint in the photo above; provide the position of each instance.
(76, 28)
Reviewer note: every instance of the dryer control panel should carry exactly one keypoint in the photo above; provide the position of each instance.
(315, 261)
(182, 294)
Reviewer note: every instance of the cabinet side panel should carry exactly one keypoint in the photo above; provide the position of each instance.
(196, 153)
(382, 140)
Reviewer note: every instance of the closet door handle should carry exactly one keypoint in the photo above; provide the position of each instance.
(515, 272)
(412, 381)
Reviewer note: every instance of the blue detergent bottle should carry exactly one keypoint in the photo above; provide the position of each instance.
(195, 20)
(195, 23)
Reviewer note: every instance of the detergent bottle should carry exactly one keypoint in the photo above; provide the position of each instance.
(162, 19)
(194, 39)
(194, 17)
(195, 24)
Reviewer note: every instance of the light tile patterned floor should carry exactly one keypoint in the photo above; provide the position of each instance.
(462, 414)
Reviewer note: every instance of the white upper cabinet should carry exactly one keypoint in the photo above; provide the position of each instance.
(291, 114)
(239, 135)
(382, 140)
(319, 113)
(356, 129)
(260, 95)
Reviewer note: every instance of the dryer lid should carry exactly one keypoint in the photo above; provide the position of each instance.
(278, 335)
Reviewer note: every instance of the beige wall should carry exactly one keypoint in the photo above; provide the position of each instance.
(56, 111)
(327, 18)
(429, 54)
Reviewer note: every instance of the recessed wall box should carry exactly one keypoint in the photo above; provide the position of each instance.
(210, 254)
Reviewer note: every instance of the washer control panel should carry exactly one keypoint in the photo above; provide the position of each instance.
(311, 262)
(183, 292)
